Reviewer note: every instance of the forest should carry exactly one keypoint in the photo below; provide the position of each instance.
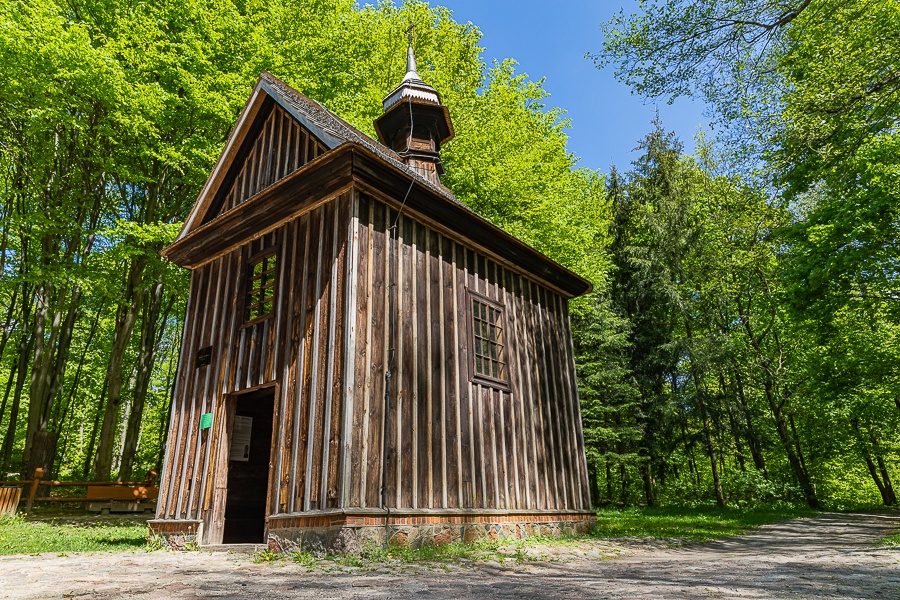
(742, 342)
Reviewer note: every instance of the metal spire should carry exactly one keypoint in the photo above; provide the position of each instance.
(411, 54)
(412, 85)
(411, 66)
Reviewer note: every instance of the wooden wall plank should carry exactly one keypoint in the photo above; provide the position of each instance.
(221, 355)
(581, 457)
(349, 438)
(165, 506)
(562, 394)
(198, 480)
(472, 468)
(331, 460)
(422, 455)
(309, 226)
(379, 354)
(393, 415)
(287, 340)
(313, 439)
(363, 386)
(442, 421)
(189, 431)
(405, 366)
(540, 440)
(455, 451)
(323, 335)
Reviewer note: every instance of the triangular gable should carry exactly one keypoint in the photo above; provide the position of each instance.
(280, 147)
(271, 140)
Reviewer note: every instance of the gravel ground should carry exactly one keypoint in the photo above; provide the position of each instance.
(830, 555)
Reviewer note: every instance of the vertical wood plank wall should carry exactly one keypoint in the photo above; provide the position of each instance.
(297, 348)
(452, 443)
(282, 147)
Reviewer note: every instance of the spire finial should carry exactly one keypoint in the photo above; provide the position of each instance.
(411, 53)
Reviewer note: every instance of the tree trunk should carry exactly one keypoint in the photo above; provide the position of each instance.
(649, 492)
(711, 451)
(125, 321)
(146, 355)
(595, 484)
(882, 468)
(752, 439)
(21, 373)
(48, 367)
(799, 471)
(733, 424)
(609, 481)
(9, 383)
(43, 454)
(700, 392)
(776, 401)
(879, 474)
(89, 454)
(797, 442)
(886, 480)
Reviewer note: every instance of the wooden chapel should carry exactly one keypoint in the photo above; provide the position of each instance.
(364, 358)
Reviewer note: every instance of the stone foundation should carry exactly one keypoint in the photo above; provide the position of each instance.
(178, 535)
(351, 533)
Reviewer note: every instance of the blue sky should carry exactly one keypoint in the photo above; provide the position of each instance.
(550, 39)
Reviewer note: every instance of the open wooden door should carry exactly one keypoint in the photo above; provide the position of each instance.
(249, 455)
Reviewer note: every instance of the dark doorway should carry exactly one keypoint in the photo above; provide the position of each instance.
(248, 468)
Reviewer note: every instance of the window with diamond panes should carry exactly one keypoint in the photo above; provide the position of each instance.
(487, 330)
(261, 288)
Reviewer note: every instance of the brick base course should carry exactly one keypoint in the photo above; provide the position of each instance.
(351, 533)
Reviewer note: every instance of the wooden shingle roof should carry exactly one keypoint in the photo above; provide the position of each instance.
(353, 155)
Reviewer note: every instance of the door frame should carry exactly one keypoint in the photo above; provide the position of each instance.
(214, 517)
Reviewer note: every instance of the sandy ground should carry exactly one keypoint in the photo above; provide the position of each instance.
(830, 555)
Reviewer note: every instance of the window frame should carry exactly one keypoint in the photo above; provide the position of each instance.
(249, 290)
(502, 383)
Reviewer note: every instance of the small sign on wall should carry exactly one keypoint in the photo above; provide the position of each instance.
(204, 357)
(240, 439)
(205, 420)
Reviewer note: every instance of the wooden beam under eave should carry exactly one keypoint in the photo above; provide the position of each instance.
(381, 179)
(314, 184)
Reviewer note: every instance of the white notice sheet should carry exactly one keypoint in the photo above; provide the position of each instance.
(240, 439)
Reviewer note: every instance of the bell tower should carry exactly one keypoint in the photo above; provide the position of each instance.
(415, 124)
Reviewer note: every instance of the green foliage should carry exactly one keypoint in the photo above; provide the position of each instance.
(799, 284)
(304, 559)
(113, 116)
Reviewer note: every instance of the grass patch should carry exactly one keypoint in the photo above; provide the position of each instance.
(21, 536)
(699, 523)
(891, 541)
(374, 557)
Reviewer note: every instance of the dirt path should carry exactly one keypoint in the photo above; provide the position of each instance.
(827, 556)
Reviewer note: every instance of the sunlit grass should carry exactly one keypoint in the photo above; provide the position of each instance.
(688, 523)
(21, 536)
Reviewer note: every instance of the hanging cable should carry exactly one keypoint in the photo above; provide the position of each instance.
(392, 316)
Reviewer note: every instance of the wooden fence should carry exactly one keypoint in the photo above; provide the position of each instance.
(96, 491)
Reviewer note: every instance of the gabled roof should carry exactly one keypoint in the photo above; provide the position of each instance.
(334, 132)
(330, 129)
